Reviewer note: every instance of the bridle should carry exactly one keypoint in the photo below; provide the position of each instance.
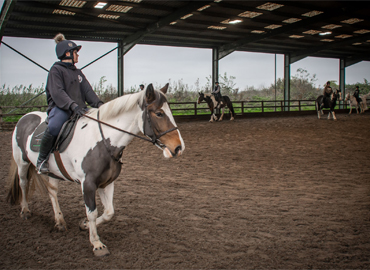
(148, 131)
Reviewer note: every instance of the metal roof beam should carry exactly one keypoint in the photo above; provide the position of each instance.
(87, 13)
(60, 20)
(349, 61)
(233, 46)
(311, 51)
(6, 10)
(132, 40)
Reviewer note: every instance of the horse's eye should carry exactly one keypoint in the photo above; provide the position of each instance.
(159, 114)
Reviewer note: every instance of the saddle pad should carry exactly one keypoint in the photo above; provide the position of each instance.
(37, 137)
(65, 136)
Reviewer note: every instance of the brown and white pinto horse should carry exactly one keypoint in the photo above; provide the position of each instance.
(212, 105)
(93, 157)
(328, 103)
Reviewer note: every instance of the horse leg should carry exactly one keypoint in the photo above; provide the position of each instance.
(106, 196)
(333, 113)
(89, 189)
(213, 117)
(222, 115)
(24, 184)
(329, 115)
(60, 223)
(350, 108)
(318, 110)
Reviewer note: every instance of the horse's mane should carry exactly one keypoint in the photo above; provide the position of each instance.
(212, 97)
(119, 105)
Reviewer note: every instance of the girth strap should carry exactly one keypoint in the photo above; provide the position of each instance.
(58, 160)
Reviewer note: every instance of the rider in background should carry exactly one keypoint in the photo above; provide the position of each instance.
(67, 91)
(217, 93)
(141, 87)
(356, 94)
(326, 93)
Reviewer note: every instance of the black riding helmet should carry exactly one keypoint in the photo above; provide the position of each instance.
(64, 46)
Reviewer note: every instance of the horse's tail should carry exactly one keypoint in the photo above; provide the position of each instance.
(15, 194)
(34, 182)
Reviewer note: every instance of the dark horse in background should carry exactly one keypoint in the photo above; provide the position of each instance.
(213, 104)
(329, 104)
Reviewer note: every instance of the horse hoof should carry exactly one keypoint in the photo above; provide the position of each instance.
(61, 227)
(84, 225)
(101, 252)
(231, 119)
(25, 215)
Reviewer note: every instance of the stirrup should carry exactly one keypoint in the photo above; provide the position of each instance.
(43, 168)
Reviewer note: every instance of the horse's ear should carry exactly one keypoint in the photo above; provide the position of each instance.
(149, 94)
(164, 88)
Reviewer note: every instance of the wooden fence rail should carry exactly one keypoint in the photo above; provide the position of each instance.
(192, 109)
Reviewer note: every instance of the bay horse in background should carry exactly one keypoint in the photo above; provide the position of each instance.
(360, 108)
(329, 104)
(93, 158)
(213, 104)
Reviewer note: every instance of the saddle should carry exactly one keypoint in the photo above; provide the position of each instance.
(65, 136)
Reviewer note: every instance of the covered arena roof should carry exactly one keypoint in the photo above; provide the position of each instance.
(335, 29)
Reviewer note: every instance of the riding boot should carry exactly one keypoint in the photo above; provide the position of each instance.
(46, 146)
(322, 104)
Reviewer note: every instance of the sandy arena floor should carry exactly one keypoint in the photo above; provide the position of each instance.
(289, 192)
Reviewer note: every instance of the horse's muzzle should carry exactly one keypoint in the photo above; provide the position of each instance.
(169, 154)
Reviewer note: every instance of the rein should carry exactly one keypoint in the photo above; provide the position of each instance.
(154, 139)
(116, 128)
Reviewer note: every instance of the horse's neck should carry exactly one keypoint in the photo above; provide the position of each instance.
(211, 101)
(127, 121)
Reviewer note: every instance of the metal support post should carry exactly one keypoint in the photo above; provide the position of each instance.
(214, 66)
(286, 82)
(342, 81)
(120, 63)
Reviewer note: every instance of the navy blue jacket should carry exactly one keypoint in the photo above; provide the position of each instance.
(68, 87)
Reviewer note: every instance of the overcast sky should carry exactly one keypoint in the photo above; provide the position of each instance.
(159, 65)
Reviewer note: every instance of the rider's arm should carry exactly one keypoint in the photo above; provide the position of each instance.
(91, 98)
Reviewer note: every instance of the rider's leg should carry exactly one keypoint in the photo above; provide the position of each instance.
(358, 104)
(57, 117)
(322, 103)
(47, 144)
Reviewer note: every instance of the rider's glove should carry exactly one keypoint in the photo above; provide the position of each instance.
(78, 111)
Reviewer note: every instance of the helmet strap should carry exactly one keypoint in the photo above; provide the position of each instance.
(69, 57)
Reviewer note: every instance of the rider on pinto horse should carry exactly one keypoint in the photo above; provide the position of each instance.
(67, 91)
(217, 94)
(326, 93)
(356, 94)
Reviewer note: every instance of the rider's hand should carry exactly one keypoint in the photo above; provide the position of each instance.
(78, 111)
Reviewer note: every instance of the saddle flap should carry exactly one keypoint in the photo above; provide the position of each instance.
(64, 138)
